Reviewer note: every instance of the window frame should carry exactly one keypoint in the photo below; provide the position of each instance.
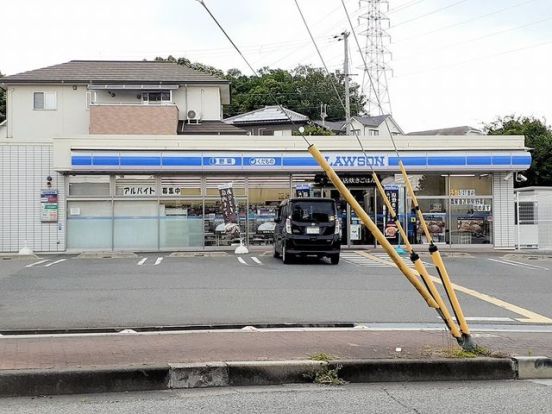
(44, 101)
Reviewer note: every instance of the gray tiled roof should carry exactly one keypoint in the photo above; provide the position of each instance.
(267, 115)
(374, 121)
(461, 130)
(209, 128)
(98, 71)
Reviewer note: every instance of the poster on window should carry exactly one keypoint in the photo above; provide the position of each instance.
(303, 190)
(392, 194)
(436, 224)
(471, 224)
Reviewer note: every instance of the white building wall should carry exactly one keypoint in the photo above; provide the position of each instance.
(23, 172)
(503, 211)
(205, 100)
(70, 117)
(544, 219)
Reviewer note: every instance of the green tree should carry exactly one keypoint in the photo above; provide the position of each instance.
(301, 89)
(2, 102)
(314, 129)
(538, 138)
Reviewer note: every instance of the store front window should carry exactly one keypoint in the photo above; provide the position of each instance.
(180, 224)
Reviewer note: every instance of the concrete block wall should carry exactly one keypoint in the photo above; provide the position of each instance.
(134, 119)
(23, 172)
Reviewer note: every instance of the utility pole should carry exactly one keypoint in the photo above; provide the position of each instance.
(346, 74)
(345, 37)
(323, 113)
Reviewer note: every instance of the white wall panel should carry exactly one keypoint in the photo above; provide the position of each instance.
(23, 172)
(503, 211)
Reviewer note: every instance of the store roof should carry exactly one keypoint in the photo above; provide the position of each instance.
(116, 71)
(460, 130)
(268, 115)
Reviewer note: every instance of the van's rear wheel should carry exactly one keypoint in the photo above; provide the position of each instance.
(334, 259)
(286, 258)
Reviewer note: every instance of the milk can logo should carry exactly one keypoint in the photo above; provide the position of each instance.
(356, 161)
(263, 161)
(222, 161)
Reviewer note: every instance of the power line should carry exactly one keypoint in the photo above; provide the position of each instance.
(449, 46)
(409, 39)
(428, 14)
(405, 6)
(202, 2)
(506, 52)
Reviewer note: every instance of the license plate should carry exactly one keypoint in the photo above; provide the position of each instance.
(313, 230)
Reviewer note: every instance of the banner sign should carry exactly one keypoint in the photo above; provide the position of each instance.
(350, 180)
(392, 194)
(49, 206)
(229, 210)
(302, 190)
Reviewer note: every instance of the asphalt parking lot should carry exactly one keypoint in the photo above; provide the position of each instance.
(69, 292)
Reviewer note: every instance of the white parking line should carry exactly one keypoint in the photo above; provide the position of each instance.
(256, 260)
(159, 259)
(142, 261)
(518, 264)
(526, 264)
(53, 263)
(242, 261)
(37, 263)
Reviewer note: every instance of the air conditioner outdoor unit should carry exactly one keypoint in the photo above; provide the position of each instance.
(193, 116)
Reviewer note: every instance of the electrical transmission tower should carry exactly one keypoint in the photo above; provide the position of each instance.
(375, 22)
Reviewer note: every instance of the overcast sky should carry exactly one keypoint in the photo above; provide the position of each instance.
(455, 62)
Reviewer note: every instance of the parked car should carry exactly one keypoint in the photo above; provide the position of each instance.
(307, 226)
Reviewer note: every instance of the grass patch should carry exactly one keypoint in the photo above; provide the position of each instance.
(479, 351)
(327, 376)
(322, 356)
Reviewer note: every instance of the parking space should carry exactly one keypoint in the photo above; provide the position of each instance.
(153, 289)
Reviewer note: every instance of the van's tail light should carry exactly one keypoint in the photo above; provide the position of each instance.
(337, 227)
(288, 225)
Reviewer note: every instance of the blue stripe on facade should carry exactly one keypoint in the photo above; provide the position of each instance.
(81, 160)
(479, 160)
(299, 162)
(181, 161)
(446, 161)
(502, 160)
(524, 160)
(222, 161)
(105, 160)
(408, 161)
(140, 161)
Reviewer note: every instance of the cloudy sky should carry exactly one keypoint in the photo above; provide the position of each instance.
(455, 62)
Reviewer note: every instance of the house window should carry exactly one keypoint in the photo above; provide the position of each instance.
(44, 101)
(156, 97)
(373, 132)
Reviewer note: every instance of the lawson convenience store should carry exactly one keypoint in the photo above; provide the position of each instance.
(135, 193)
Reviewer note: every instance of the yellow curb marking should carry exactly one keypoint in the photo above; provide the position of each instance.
(529, 316)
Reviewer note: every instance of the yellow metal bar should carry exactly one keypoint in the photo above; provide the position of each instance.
(410, 275)
(420, 267)
(437, 259)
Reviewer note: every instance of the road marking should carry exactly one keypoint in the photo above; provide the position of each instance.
(526, 264)
(487, 319)
(506, 263)
(37, 263)
(547, 382)
(375, 258)
(529, 316)
(240, 259)
(53, 263)
(159, 260)
(142, 261)
(256, 260)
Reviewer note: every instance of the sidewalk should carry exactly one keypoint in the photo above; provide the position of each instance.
(126, 350)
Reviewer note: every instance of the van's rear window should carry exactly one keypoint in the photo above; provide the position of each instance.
(315, 212)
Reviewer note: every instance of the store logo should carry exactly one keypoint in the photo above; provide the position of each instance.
(354, 161)
(222, 161)
(262, 161)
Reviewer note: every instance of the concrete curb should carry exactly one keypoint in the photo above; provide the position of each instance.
(248, 373)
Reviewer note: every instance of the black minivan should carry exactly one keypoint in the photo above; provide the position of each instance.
(307, 226)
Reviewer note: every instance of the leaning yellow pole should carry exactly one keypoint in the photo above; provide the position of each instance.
(420, 267)
(410, 275)
(439, 264)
